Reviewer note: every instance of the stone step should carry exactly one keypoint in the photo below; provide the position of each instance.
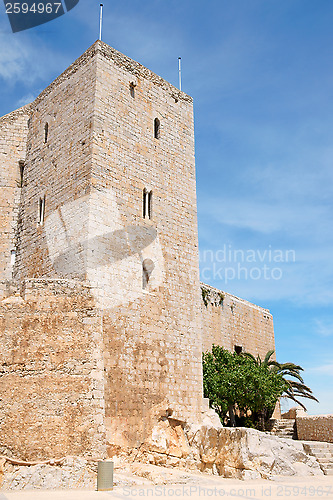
(323, 455)
(327, 470)
(318, 444)
(284, 422)
(283, 434)
(283, 429)
(323, 452)
(325, 461)
(283, 425)
(277, 431)
(321, 448)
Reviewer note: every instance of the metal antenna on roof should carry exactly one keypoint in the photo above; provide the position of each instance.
(180, 72)
(100, 21)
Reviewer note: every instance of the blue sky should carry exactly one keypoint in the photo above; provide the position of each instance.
(261, 75)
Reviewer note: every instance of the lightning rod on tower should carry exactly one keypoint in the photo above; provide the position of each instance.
(180, 72)
(100, 21)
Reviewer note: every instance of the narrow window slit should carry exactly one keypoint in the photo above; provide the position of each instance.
(42, 210)
(150, 204)
(12, 257)
(144, 207)
(21, 173)
(157, 127)
(46, 132)
(147, 204)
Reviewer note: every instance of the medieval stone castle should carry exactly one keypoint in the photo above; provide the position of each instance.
(102, 315)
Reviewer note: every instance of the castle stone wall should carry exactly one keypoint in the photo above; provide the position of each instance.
(229, 321)
(13, 133)
(152, 335)
(108, 324)
(51, 373)
(59, 170)
(99, 156)
(315, 428)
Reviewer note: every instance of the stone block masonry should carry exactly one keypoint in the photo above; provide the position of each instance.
(51, 372)
(101, 313)
(13, 134)
(92, 151)
(235, 323)
(153, 338)
(315, 428)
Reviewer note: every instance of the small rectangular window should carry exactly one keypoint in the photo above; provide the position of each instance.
(132, 89)
(238, 349)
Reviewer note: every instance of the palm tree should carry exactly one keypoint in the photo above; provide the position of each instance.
(295, 388)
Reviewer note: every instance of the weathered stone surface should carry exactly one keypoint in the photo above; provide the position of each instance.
(314, 427)
(209, 448)
(51, 373)
(242, 452)
(72, 473)
(89, 348)
(231, 321)
(230, 452)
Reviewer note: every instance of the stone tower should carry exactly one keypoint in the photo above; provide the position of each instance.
(101, 310)
(106, 247)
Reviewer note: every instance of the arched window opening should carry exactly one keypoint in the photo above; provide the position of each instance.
(41, 212)
(147, 204)
(157, 128)
(147, 269)
(46, 132)
(132, 89)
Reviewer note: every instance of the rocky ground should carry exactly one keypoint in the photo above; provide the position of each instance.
(175, 452)
(148, 481)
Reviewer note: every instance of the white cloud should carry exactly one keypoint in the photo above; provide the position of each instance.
(324, 328)
(26, 59)
(25, 100)
(264, 216)
(286, 205)
(325, 405)
(322, 369)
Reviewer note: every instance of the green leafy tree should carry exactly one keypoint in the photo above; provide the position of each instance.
(294, 389)
(235, 382)
(219, 381)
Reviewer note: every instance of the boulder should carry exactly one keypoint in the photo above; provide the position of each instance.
(247, 453)
(209, 447)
